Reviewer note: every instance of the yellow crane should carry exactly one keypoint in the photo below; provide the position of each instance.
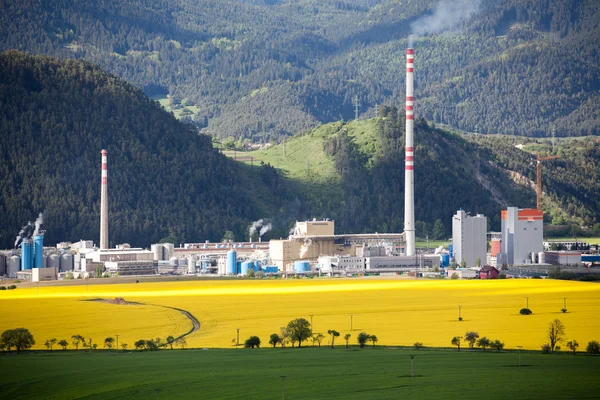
(539, 177)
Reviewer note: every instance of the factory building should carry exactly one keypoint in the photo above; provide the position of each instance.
(469, 238)
(522, 234)
(566, 257)
(133, 261)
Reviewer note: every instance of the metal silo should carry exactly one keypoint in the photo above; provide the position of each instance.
(38, 251)
(53, 261)
(66, 262)
(26, 254)
(168, 251)
(231, 263)
(157, 250)
(13, 266)
(2, 265)
(246, 265)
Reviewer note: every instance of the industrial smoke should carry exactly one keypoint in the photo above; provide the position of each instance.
(261, 226)
(30, 230)
(448, 15)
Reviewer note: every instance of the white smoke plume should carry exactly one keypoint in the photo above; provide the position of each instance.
(261, 226)
(30, 230)
(448, 14)
(266, 228)
(307, 243)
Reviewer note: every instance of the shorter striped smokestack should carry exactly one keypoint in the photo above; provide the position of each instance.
(104, 202)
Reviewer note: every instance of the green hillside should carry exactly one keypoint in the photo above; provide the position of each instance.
(165, 180)
(262, 70)
(353, 172)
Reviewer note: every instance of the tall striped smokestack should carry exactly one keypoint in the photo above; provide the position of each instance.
(104, 203)
(409, 180)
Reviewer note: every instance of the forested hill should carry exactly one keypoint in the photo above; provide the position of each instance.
(260, 69)
(165, 180)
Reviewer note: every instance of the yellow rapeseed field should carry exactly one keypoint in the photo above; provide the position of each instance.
(399, 312)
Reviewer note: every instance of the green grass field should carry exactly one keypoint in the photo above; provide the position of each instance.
(179, 110)
(311, 373)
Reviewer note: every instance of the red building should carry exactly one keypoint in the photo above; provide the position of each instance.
(488, 272)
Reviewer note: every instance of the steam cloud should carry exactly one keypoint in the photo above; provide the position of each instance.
(307, 243)
(261, 226)
(30, 230)
(447, 15)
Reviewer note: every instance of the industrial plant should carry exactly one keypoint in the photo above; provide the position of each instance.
(312, 248)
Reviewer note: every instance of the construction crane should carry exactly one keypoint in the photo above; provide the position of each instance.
(539, 177)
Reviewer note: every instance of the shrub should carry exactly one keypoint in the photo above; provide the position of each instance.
(497, 344)
(69, 275)
(525, 311)
(546, 348)
(11, 287)
(2, 288)
(454, 276)
(250, 273)
(564, 310)
(593, 348)
(418, 345)
(259, 275)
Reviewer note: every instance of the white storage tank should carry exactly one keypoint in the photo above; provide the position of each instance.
(13, 266)
(542, 257)
(157, 251)
(168, 251)
(66, 262)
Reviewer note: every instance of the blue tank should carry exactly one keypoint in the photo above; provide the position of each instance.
(301, 266)
(271, 269)
(246, 265)
(451, 250)
(38, 251)
(230, 266)
(445, 259)
(26, 255)
(256, 266)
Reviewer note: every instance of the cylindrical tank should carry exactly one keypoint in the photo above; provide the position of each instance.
(542, 257)
(157, 251)
(168, 251)
(231, 263)
(38, 251)
(2, 265)
(445, 259)
(301, 266)
(496, 247)
(451, 250)
(66, 262)
(26, 255)
(53, 261)
(246, 265)
(191, 263)
(533, 257)
(271, 269)
(13, 266)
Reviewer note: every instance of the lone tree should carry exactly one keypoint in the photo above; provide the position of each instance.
(483, 342)
(19, 338)
(108, 342)
(362, 339)
(497, 344)
(319, 338)
(252, 342)
(63, 343)
(333, 334)
(556, 333)
(124, 346)
(573, 345)
(76, 339)
(299, 330)
(471, 338)
(140, 344)
(274, 339)
(170, 340)
(593, 348)
(456, 341)
(374, 340)
(347, 338)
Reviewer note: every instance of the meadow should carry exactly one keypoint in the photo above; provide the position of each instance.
(311, 373)
(399, 311)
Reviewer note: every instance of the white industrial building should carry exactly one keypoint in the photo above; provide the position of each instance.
(522, 235)
(469, 238)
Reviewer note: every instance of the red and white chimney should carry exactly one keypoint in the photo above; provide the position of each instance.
(409, 179)
(104, 202)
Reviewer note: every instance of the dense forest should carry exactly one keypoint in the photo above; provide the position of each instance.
(262, 69)
(165, 180)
